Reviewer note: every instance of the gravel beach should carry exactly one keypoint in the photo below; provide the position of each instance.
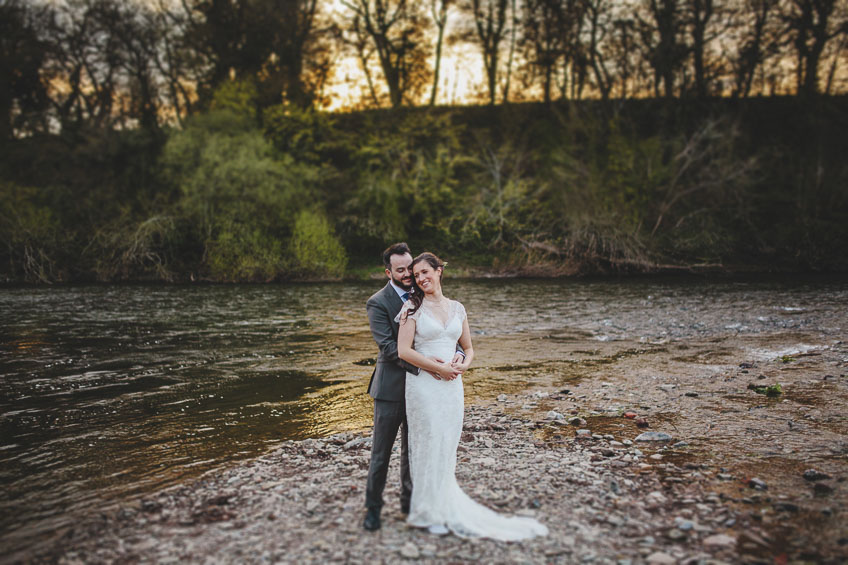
(652, 453)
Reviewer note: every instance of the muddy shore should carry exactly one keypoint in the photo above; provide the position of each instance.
(558, 441)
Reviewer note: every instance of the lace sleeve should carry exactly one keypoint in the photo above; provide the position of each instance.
(460, 310)
(403, 311)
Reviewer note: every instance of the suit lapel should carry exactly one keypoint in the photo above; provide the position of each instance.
(395, 302)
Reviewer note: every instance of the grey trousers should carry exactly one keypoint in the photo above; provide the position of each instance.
(388, 417)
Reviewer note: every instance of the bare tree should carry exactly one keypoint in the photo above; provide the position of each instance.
(544, 40)
(810, 27)
(23, 54)
(362, 45)
(513, 35)
(598, 14)
(752, 43)
(661, 36)
(439, 13)
(700, 14)
(490, 19)
(836, 57)
(85, 60)
(395, 28)
(623, 44)
(576, 59)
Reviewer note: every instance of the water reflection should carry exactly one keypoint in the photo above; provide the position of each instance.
(109, 392)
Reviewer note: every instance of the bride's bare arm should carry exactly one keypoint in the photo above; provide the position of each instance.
(406, 335)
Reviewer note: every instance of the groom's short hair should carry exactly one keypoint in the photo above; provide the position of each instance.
(395, 249)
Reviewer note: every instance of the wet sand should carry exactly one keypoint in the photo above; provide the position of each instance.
(728, 486)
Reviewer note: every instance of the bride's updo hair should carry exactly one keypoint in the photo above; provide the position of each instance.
(416, 295)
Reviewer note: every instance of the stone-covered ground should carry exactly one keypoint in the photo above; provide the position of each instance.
(728, 486)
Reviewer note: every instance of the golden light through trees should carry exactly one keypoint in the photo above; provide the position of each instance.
(158, 60)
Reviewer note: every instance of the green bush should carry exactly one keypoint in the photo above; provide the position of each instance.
(239, 196)
(239, 252)
(316, 250)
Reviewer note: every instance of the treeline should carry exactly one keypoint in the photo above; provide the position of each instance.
(76, 64)
(239, 194)
(183, 140)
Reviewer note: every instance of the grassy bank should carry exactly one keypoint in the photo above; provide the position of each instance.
(533, 189)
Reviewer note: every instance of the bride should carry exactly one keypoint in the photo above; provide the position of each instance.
(430, 325)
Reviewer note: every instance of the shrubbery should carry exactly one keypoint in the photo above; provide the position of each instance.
(236, 195)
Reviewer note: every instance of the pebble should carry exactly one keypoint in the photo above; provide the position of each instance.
(756, 483)
(554, 415)
(360, 441)
(653, 436)
(660, 558)
(814, 475)
(410, 551)
(675, 534)
(822, 488)
(719, 541)
(684, 525)
(502, 398)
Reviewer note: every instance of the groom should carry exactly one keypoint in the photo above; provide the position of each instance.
(388, 383)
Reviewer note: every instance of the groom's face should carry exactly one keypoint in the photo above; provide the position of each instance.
(400, 272)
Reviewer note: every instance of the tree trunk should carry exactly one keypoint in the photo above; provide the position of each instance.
(440, 17)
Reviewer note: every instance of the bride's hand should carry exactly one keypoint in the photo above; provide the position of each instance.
(450, 372)
(460, 366)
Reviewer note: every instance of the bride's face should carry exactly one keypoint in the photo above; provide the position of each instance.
(427, 278)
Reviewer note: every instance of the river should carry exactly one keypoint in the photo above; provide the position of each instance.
(112, 392)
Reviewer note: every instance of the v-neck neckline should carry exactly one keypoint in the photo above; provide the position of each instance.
(447, 321)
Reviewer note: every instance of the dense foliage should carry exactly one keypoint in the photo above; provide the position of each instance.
(243, 194)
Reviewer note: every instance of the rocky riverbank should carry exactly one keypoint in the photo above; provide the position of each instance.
(728, 473)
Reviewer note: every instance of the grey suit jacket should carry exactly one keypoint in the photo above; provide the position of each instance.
(388, 381)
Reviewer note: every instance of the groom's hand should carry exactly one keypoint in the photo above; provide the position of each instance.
(459, 362)
(437, 376)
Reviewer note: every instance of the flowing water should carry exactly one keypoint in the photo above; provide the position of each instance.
(111, 392)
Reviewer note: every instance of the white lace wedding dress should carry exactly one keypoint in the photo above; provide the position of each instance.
(434, 411)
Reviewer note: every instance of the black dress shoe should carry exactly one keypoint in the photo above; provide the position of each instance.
(372, 519)
(404, 508)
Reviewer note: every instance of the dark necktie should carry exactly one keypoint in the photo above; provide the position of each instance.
(404, 296)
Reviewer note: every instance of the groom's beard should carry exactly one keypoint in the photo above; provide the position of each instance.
(405, 283)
